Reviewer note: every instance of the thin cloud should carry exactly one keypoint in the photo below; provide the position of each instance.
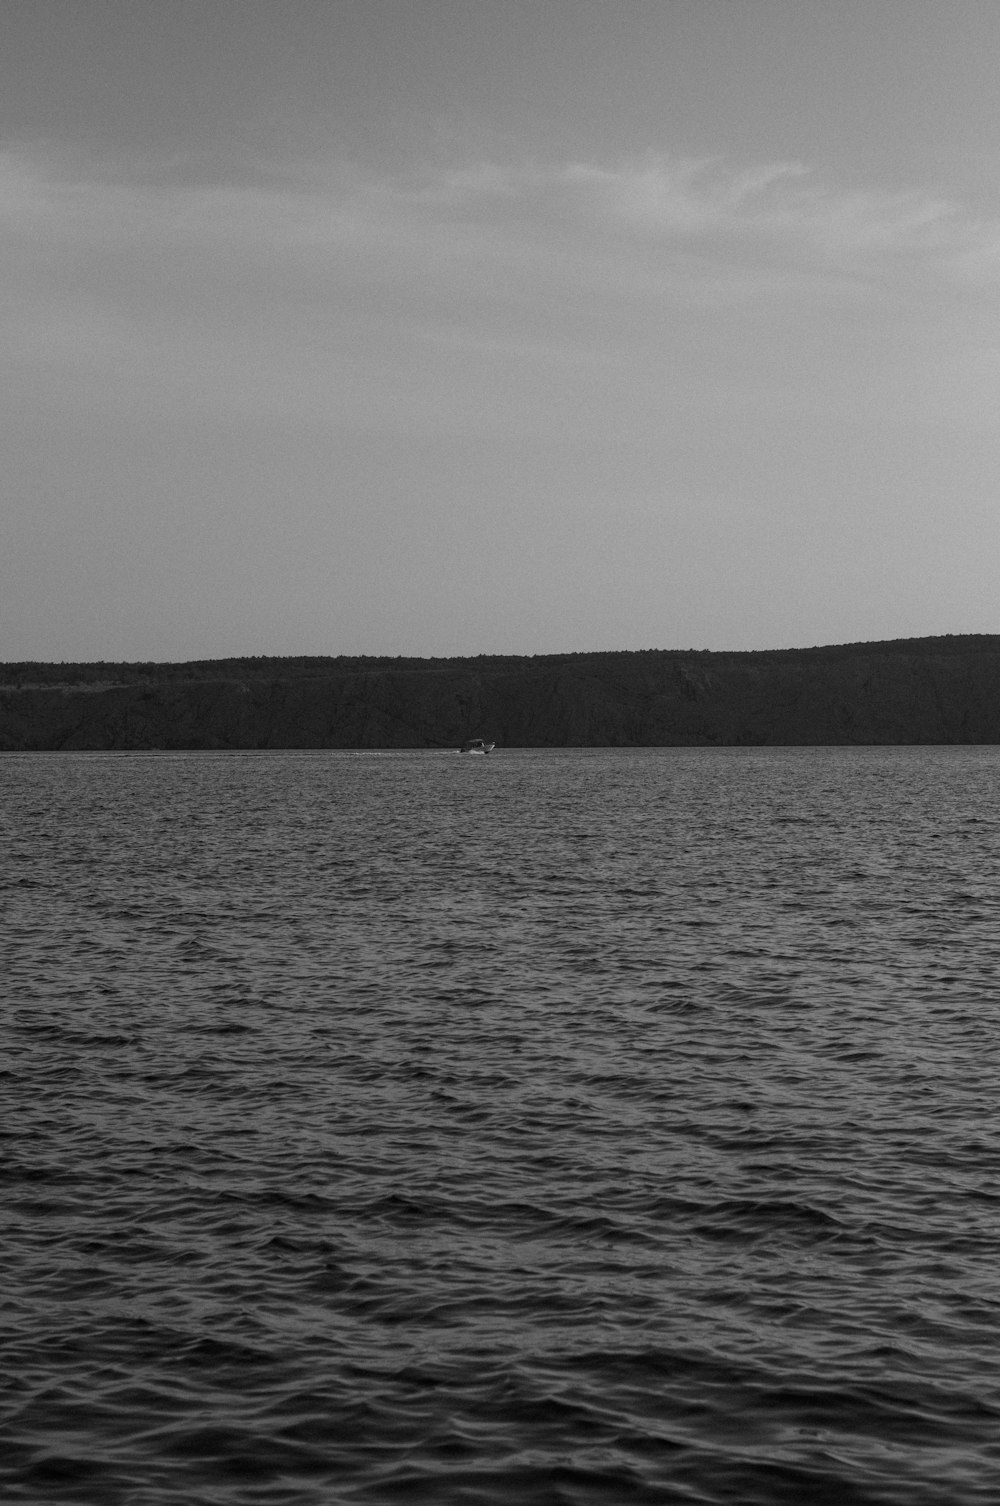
(680, 200)
(321, 289)
(650, 200)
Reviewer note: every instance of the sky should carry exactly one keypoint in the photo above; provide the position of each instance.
(436, 327)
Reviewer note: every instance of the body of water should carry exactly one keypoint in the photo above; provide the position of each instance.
(554, 1127)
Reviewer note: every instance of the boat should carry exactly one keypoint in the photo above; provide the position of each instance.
(476, 745)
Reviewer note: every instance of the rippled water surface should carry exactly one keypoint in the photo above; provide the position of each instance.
(586, 1127)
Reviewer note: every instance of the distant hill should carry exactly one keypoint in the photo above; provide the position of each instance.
(916, 690)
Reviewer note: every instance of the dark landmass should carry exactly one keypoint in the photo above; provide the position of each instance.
(917, 690)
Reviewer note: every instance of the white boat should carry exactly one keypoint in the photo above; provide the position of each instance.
(476, 745)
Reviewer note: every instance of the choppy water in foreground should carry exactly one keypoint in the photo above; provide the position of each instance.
(585, 1127)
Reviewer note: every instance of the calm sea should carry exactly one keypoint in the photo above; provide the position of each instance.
(553, 1127)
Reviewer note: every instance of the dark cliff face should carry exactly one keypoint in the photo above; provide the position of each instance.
(932, 690)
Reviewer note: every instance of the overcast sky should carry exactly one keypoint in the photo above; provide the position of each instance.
(471, 326)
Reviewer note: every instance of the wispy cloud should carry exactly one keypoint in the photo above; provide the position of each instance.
(325, 281)
(331, 205)
(662, 200)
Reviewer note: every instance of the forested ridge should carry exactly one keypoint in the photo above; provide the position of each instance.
(917, 690)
